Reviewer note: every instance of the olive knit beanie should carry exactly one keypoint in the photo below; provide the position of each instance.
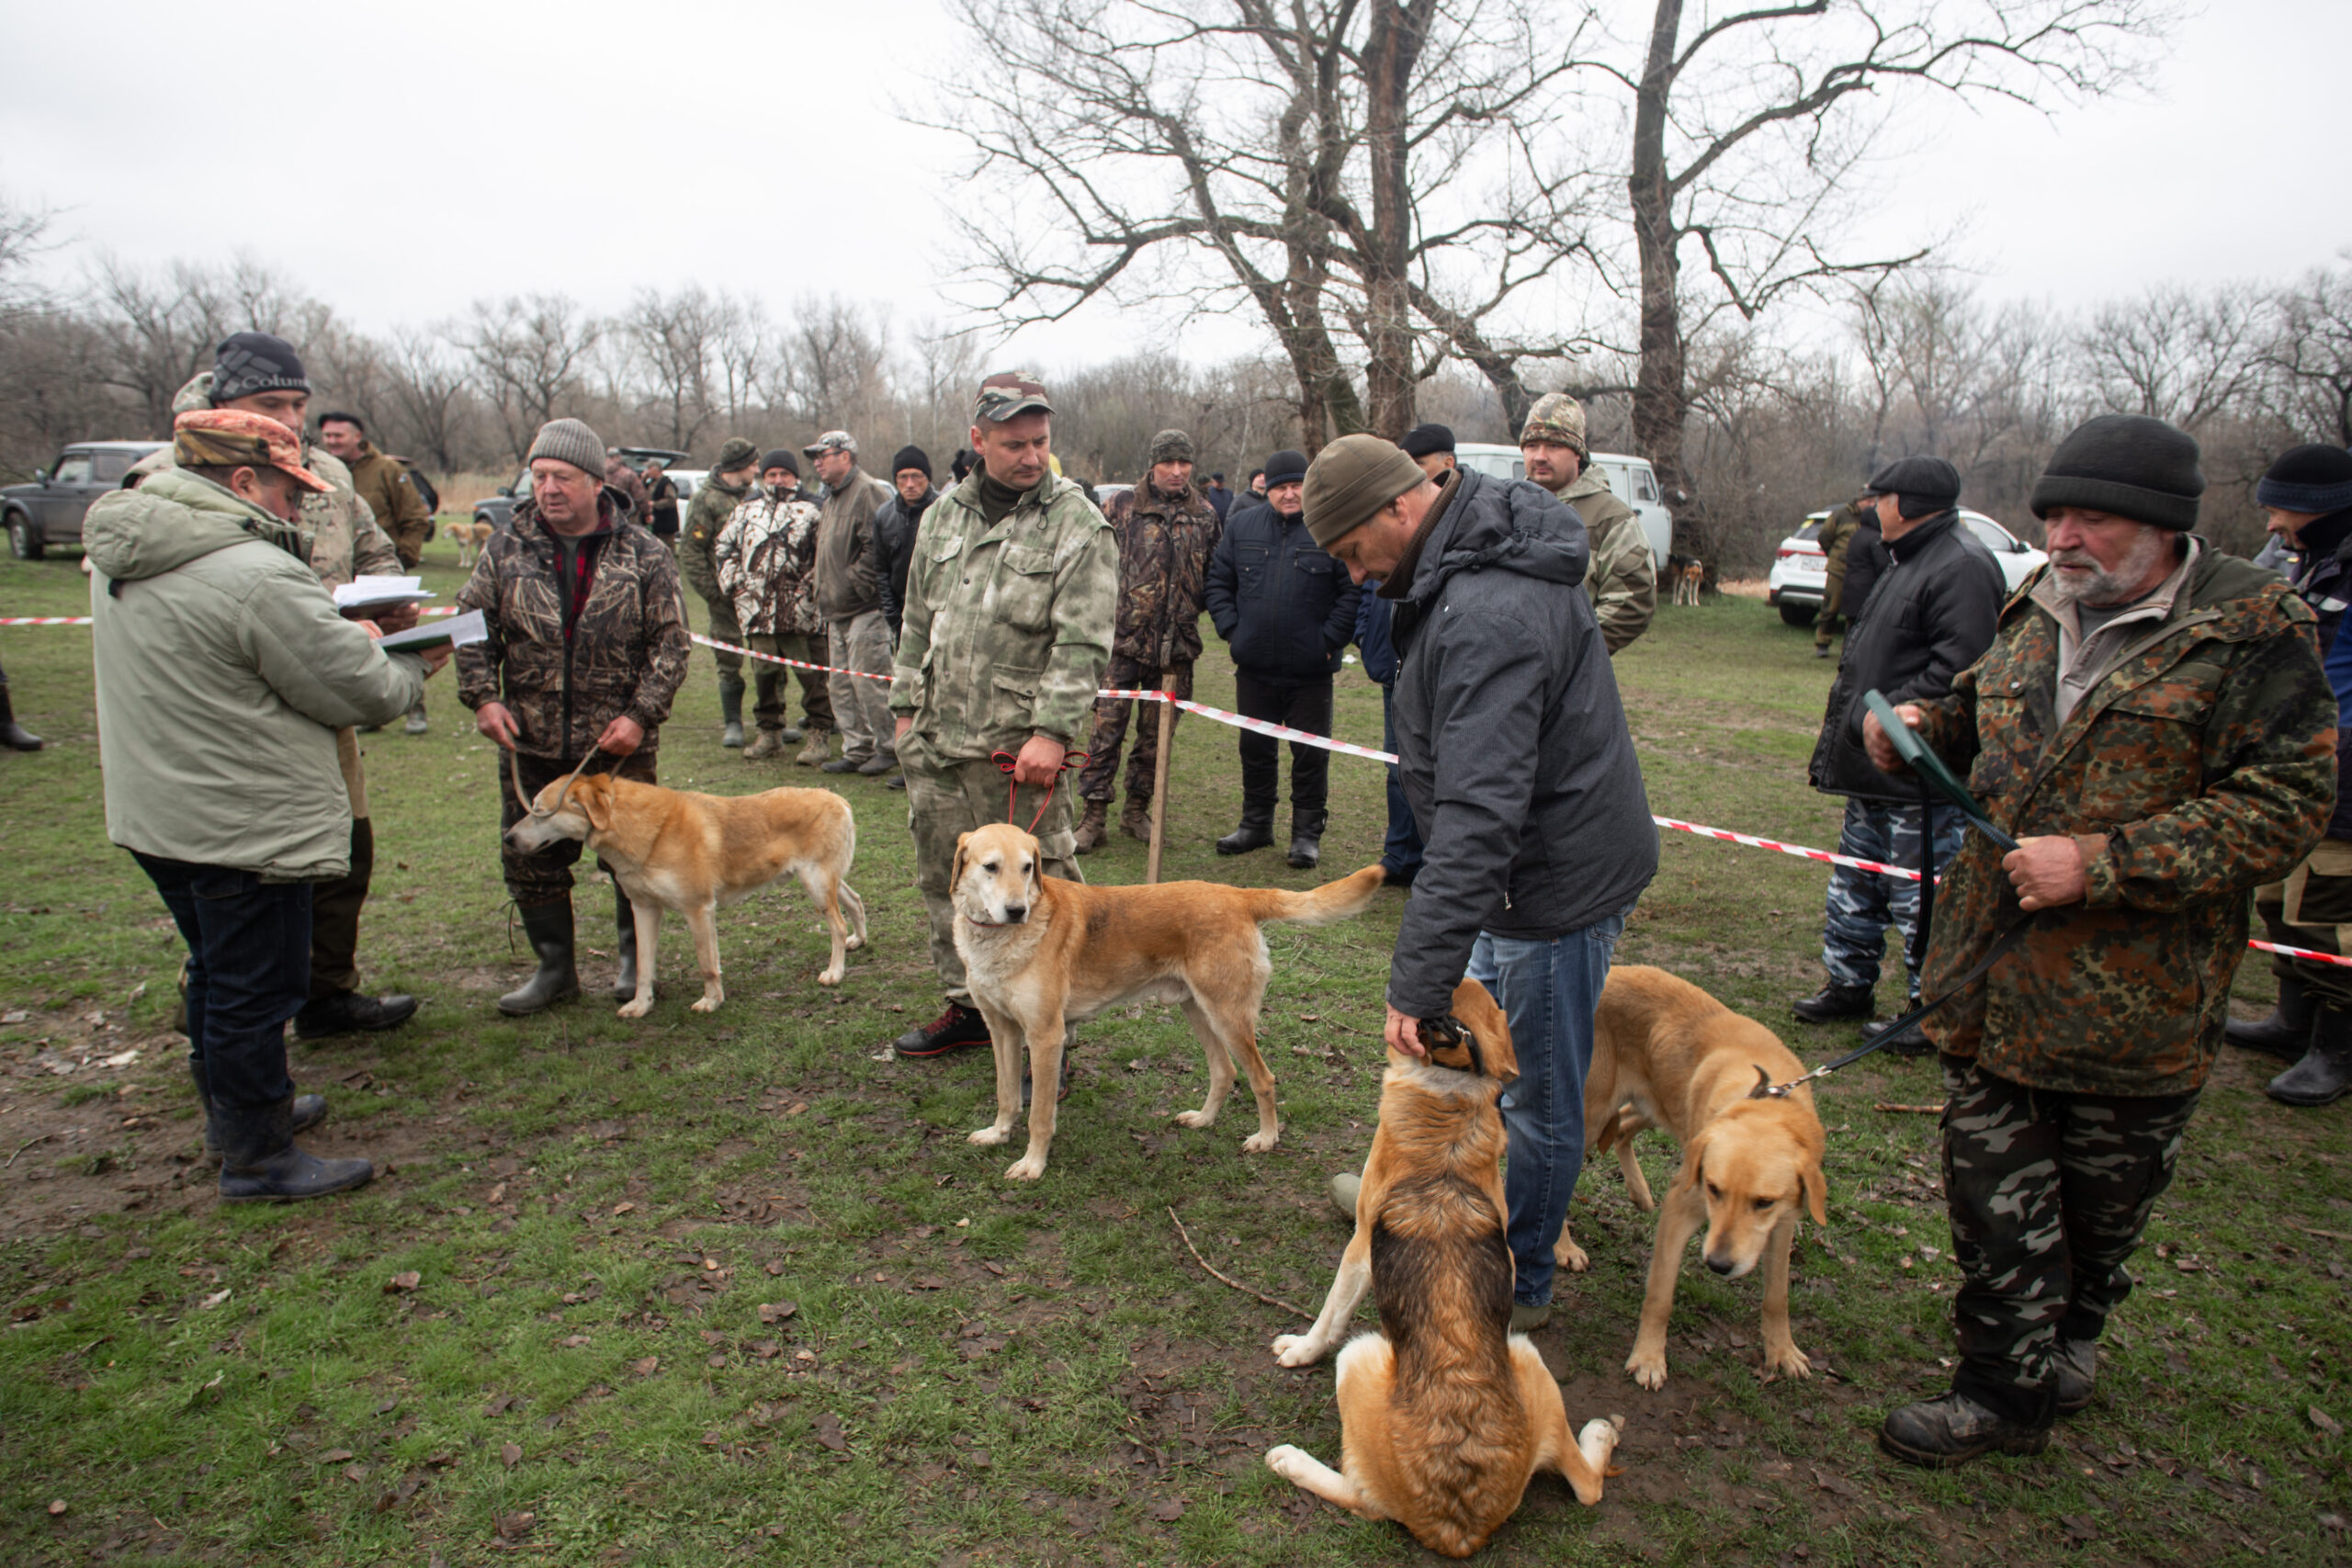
(1350, 480)
(2129, 465)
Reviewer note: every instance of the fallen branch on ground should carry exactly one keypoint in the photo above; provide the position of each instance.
(1915, 1110)
(1270, 1301)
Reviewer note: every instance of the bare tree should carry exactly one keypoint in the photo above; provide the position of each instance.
(836, 366)
(428, 387)
(675, 338)
(2310, 350)
(529, 356)
(2175, 354)
(161, 328)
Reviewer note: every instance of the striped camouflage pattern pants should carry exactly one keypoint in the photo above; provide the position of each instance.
(2048, 1193)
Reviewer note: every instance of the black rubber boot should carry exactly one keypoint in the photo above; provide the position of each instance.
(1834, 1001)
(1307, 837)
(348, 1012)
(625, 945)
(2285, 1033)
(1257, 830)
(261, 1163)
(1952, 1429)
(549, 927)
(15, 736)
(730, 708)
(2325, 1071)
(2075, 1370)
(309, 1110)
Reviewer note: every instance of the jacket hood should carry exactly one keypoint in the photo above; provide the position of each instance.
(1513, 525)
(176, 517)
(196, 394)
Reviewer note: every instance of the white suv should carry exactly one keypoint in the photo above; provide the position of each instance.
(1800, 572)
(1629, 478)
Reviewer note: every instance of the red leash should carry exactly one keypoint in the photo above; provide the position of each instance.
(1005, 762)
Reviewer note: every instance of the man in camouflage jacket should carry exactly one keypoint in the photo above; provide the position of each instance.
(2152, 726)
(1837, 531)
(721, 491)
(1167, 532)
(1009, 612)
(766, 558)
(1622, 582)
(587, 647)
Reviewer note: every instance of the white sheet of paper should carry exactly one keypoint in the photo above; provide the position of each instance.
(457, 631)
(381, 589)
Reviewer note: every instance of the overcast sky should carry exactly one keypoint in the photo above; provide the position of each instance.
(399, 161)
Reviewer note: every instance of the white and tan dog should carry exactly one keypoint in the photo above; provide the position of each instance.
(1041, 954)
(471, 537)
(673, 849)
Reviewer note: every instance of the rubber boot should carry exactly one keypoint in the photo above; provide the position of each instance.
(1135, 820)
(624, 945)
(309, 1110)
(549, 927)
(2285, 1033)
(1093, 826)
(2325, 1071)
(1307, 837)
(261, 1163)
(15, 736)
(730, 708)
(1257, 830)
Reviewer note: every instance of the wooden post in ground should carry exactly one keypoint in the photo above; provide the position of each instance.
(1167, 706)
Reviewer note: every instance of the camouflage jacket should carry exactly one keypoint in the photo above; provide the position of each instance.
(706, 515)
(1622, 584)
(2203, 752)
(393, 499)
(1007, 627)
(1837, 531)
(1164, 551)
(767, 563)
(566, 680)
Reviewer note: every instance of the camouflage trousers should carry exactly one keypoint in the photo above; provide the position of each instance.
(947, 799)
(2312, 908)
(1111, 728)
(2048, 1194)
(1863, 904)
(722, 627)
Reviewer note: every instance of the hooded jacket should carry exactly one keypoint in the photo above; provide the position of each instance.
(223, 672)
(1511, 742)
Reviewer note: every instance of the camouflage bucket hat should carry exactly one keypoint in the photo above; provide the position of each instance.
(1559, 418)
(233, 438)
(1011, 392)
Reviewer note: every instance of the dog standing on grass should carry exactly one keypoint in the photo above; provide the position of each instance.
(1444, 1415)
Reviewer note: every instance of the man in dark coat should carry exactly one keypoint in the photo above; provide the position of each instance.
(1516, 756)
(2308, 494)
(1288, 611)
(895, 525)
(1934, 614)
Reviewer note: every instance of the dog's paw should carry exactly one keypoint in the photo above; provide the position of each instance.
(706, 1004)
(831, 977)
(1296, 1350)
(1569, 1256)
(1028, 1169)
(1648, 1367)
(854, 944)
(1259, 1142)
(1288, 1461)
(991, 1136)
(1787, 1361)
(1599, 1440)
(1195, 1119)
(636, 1008)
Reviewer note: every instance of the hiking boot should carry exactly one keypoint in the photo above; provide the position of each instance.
(2078, 1370)
(840, 765)
(1834, 1001)
(348, 1012)
(1525, 1319)
(1306, 838)
(2285, 1033)
(819, 747)
(730, 709)
(624, 946)
(1344, 1190)
(1257, 831)
(309, 1110)
(1094, 826)
(953, 1029)
(2325, 1071)
(260, 1161)
(767, 743)
(1952, 1429)
(417, 724)
(1135, 818)
(873, 767)
(549, 928)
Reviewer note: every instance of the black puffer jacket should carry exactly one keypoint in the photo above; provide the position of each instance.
(1288, 609)
(1932, 615)
(1511, 742)
(894, 541)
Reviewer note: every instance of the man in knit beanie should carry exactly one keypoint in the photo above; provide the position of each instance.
(721, 491)
(2152, 725)
(1622, 580)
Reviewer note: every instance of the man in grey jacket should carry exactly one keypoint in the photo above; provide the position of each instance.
(223, 672)
(849, 595)
(1513, 751)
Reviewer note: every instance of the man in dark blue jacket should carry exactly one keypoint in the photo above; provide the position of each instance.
(1288, 611)
(1400, 857)
(1515, 755)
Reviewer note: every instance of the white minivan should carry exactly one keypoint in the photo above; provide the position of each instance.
(1631, 480)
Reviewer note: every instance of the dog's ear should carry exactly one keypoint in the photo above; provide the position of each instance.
(1694, 1157)
(594, 795)
(1815, 1190)
(1763, 1089)
(955, 867)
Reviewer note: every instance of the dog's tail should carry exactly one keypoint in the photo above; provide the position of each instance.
(1321, 906)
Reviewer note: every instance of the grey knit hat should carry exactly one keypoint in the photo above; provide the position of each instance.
(570, 441)
(2126, 464)
(1350, 480)
(1171, 447)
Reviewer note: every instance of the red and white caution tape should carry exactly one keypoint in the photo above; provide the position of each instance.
(779, 659)
(44, 620)
(1800, 851)
(1258, 725)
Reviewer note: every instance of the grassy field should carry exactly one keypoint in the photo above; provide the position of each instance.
(728, 1288)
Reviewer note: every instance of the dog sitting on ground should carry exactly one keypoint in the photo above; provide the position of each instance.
(471, 537)
(1666, 1055)
(672, 848)
(1444, 1415)
(1041, 954)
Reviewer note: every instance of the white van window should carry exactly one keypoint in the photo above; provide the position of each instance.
(1645, 485)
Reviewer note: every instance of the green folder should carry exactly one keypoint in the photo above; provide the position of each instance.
(1928, 765)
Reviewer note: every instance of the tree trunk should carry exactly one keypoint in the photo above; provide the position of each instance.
(1661, 395)
(1392, 54)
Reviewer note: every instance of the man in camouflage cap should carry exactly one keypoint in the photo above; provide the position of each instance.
(721, 491)
(2153, 727)
(1622, 584)
(1007, 629)
(1167, 531)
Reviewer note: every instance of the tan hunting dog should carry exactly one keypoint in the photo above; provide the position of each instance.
(1666, 1055)
(673, 849)
(1444, 1414)
(1041, 954)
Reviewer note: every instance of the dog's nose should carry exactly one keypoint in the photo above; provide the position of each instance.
(1016, 912)
(1720, 1265)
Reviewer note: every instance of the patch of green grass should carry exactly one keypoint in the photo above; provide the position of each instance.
(607, 1221)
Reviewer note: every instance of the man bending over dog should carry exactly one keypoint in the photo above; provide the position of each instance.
(2153, 727)
(1513, 751)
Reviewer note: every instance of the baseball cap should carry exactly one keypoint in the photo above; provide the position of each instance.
(234, 438)
(831, 441)
(1011, 392)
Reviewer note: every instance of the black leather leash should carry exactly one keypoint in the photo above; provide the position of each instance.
(1900, 1026)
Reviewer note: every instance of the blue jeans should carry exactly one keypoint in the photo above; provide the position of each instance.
(1863, 904)
(1548, 991)
(248, 971)
(1401, 856)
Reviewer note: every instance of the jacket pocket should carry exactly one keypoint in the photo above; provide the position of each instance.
(1250, 570)
(2145, 752)
(1024, 587)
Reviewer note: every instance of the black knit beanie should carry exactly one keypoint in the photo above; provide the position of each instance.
(2129, 465)
(781, 457)
(1286, 468)
(2313, 479)
(1424, 440)
(1921, 486)
(911, 457)
(246, 362)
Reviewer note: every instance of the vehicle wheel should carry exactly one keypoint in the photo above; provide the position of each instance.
(23, 543)
(1799, 615)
